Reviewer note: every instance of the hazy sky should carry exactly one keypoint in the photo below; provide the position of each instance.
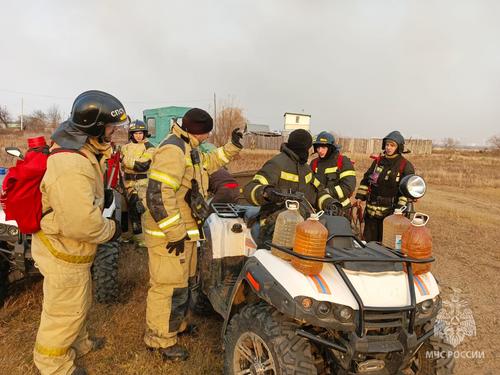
(361, 68)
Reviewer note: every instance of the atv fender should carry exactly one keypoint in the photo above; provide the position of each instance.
(254, 282)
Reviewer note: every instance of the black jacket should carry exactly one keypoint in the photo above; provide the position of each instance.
(380, 185)
(284, 172)
(339, 182)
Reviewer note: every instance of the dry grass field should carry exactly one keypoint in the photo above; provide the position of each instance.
(463, 201)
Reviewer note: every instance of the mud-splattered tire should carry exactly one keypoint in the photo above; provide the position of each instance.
(432, 358)
(261, 329)
(105, 272)
(4, 279)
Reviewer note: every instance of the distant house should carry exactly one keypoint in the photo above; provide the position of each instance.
(297, 121)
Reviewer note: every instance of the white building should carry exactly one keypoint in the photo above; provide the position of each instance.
(297, 121)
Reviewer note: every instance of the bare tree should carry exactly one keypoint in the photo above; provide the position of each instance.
(54, 116)
(450, 143)
(494, 141)
(5, 117)
(37, 120)
(228, 118)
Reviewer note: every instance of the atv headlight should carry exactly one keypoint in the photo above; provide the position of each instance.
(429, 306)
(413, 186)
(344, 313)
(324, 308)
(3, 228)
(13, 231)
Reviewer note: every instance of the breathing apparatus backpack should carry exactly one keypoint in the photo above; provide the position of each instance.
(21, 198)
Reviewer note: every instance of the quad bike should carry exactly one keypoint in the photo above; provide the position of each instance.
(16, 262)
(363, 314)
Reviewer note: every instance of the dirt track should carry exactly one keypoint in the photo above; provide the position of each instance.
(466, 237)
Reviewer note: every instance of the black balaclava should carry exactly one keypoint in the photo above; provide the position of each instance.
(300, 141)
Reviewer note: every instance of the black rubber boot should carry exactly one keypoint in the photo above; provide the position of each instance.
(174, 353)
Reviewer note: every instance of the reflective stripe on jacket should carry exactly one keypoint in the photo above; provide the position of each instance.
(340, 183)
(285, 173)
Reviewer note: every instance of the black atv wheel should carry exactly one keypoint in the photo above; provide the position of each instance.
(434, 358)
(260, 340)
(105, 272)
(4, 278)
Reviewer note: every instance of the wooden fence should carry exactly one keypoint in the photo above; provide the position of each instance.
(349, 145)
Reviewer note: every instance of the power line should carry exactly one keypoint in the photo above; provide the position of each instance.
(148, 102)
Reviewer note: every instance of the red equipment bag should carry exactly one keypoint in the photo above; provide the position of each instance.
(21, 197)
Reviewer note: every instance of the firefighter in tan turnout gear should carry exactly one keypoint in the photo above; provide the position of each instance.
(136, 158)
(71, 227)
(177, 186)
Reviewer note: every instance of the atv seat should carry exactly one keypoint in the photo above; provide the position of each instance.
(339, 231)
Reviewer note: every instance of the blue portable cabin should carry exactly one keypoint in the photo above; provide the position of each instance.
(160, 120)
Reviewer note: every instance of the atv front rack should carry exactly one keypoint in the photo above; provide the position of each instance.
(381, 255)
(227, 210)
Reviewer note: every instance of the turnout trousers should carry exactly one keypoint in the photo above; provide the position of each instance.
(168, 295)
(67, 296)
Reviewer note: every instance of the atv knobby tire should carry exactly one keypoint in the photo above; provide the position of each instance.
(282, 350)
(105, 272)
(433, 359)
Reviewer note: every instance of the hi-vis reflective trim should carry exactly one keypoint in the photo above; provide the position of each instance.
(322, 199)
(330, 170)
(165, 178)
(363, 187)
(77, 259)
(347, 173)
(222, 155)
(308, 177)
(193, 234)
(402, 201)
(376, 210)
(147, 155)
(339, 191)
(169, 221)
(289, 176)
(50, 352)
(316, 182)
(261, 179)
(345, 202)
(252, 195)
(189, 162)
(155, 233)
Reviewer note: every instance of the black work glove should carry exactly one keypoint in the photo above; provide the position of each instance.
(118, 230)
(142, 166)
(333, 208)
(270, 194)
(236, 137)
(177, 246)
